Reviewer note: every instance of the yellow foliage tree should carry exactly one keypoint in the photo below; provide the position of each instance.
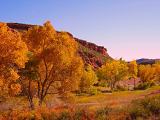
(133, 70)
(59, 68)
(113, 72)
(146, 73)
(157, 71)
(13, 56)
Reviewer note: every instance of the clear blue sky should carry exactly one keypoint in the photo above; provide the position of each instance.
(127, 28)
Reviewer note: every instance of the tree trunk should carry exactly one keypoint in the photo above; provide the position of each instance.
(40, 103)
(30, 97)
(31, 104)
(134, 83)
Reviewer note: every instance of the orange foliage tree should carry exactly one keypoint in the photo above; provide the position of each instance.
(12, 57)
(58, 68)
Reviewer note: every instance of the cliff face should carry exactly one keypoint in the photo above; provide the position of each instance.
(91, 53)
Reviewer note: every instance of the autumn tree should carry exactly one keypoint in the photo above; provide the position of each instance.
(89, 78)
(12, 57)
(157, 71)
(146, 73)
(58, 67)
(28, 79)
(113, 72)
(133, 70)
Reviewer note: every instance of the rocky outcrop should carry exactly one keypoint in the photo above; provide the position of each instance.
(93, 46)
(91, 53)
(19, 26)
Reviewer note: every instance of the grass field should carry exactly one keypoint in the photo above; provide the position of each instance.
(116, 99)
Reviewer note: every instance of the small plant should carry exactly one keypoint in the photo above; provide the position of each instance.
(102, 113)
(93, 91)
(64, 116)
(143, 86)
(78, 115)
(102, 83)
(145, 108)
(120, 88)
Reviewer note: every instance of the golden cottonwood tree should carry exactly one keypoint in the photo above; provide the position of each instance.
(13, 56)
(146, 73)
(133, 70)
(113, 72)
(157, 71)
(59, 68)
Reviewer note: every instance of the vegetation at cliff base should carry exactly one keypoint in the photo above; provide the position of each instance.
(43, 76)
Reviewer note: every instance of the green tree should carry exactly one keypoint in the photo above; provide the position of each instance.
(89, 78)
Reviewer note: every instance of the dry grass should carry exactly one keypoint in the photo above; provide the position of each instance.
(115, 99)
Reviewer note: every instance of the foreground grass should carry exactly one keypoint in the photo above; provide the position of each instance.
(147, 108)
(116, 99)
(110, 106)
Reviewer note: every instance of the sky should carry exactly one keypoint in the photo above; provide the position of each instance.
(129, 29)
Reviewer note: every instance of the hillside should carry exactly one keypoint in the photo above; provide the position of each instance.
(145, 61)
(91, 53)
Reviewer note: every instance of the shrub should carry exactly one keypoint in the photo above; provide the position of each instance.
(101, 114)
(143, 86)
(93, 91)
(83, 114)
(120, 88)
(145, 108)
(48, 115)
(78, 115)
(64, 115)
(138, 111)
(102, 83)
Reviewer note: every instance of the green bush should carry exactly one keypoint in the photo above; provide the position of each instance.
(64, 116)
(78, 115)
(145, 108)
(101, 114)
(143, 86)
(93, 91)
(102, 83)
(138, 111)
(121, 88)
